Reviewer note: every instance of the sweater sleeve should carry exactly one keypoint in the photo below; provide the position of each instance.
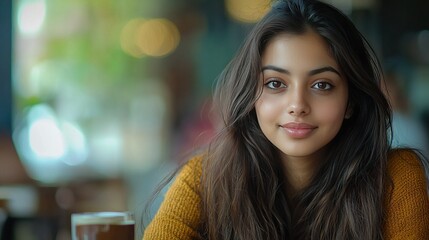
(407, 203)
(179, 215)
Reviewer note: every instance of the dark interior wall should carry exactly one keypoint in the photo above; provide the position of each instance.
(5, 66)
(399, 18)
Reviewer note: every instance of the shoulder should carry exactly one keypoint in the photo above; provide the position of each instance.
(192, 168)
(406, 200)
(179, 214)
(189, 175)
(405, 163)
(195, 162)
(406, 172)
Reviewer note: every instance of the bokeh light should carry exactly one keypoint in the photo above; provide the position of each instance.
(46, 139)
(31, 15)
(248, 11)
(46, 142)
(153, 37)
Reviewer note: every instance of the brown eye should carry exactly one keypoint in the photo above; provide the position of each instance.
(274, 84)
(322, 86)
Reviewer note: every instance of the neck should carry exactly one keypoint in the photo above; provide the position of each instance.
(299, 171)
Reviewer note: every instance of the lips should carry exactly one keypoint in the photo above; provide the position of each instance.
(298, 130)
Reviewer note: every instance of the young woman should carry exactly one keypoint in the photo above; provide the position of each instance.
(303, 152)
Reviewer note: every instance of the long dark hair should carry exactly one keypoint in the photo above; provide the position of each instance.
(243, 193)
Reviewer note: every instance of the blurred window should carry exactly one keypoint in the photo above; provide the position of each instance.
(85, 104)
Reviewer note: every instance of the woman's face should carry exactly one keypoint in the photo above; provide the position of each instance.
(304, 97)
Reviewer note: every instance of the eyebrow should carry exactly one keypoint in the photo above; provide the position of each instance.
(310, 73)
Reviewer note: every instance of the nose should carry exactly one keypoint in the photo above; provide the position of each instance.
(298, 103)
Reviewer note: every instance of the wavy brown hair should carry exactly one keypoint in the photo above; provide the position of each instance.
(243, 194)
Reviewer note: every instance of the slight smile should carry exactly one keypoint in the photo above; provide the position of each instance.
(298, 130)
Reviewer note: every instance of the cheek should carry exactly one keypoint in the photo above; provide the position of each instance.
(266, 111)
(331, 113)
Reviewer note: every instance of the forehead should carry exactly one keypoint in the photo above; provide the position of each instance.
(306, 50)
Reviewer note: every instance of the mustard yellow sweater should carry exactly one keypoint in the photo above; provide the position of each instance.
(407, 205)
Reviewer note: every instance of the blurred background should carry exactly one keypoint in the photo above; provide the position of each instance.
(99, 100)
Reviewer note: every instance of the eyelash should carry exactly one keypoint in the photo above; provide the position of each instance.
(269, 84)
(328, 86)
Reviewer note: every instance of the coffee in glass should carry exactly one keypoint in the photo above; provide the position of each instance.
(103, 226)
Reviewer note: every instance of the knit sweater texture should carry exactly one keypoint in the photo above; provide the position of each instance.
(406, 202)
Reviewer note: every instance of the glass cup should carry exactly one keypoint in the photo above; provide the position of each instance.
(103, 226)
